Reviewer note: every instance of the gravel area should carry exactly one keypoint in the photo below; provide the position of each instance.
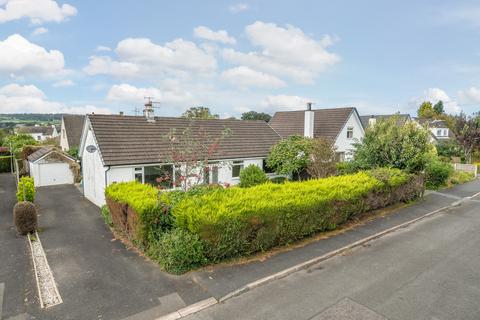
(47, 288)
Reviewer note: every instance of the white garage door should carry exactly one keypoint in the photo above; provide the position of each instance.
(54, 173)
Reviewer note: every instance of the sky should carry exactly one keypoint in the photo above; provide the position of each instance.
(379, 56)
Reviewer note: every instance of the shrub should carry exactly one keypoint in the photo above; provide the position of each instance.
(26, 189)
(25, 217)
(347, 167)
(178, 251)
(437, 174)
(279, 180)
(459, 177)
(290, 155)
(239, 221)
(386, 144)
(251, 176)
(106, 216)
(5, 163)
(322, 162)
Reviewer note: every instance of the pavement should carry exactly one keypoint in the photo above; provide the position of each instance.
(16, 280)
(99, 278)
(428, 270)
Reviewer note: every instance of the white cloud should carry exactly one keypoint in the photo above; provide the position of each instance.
(20, 57)
(239, 7)
(470, 95)
(103, 48)
(63, 83)
(38, 11)
(39, 31)
(245, 77)
(284, 52)
(30, 99)
(222, 36)
(170, 95)
(284, 102)
(434, 95)
(142, 57)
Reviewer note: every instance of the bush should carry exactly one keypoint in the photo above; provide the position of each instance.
(239, 221)
(25, 217)
(26, 189)
(459, 177)
(106, 216)
(178, 251)
(251, 176)
(347, 167)
(5, 164)
(290, 155)
(437, 174)
(135, 210)
(279, 180)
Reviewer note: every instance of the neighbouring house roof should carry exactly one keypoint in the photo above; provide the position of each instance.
(40, 153)
(45, 130)
(73, 129)
(402, 118)
(327, 122)
(125, 140)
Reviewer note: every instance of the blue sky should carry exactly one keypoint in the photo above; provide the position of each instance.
(105, 56)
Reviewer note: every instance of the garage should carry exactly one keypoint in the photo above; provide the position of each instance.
(49, 166)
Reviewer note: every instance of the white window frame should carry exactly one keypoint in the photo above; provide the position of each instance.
(349, 130)
(241, 163)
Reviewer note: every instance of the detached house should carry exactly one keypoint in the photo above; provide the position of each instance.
(117, 148)
(39, 133)
(341, 125)
(71, 131)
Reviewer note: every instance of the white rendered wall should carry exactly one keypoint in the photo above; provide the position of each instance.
(346, 145)
(93, 173)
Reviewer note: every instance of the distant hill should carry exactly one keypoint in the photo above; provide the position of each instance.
(10, 120)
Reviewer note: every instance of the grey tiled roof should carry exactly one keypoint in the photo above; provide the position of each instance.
(125, 140)
(402, 118)
(327, 122)
(45, 130)
(73, 129)
(39, 153)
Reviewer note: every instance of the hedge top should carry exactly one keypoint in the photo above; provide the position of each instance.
(141, 197)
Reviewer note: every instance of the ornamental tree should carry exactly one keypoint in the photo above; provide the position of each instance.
(322, 160)
(290, 155)
(426, 110)
(191, 152)
(467, 132)
(387, 144)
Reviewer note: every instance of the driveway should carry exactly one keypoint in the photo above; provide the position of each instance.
(97, 277)
(15, 277)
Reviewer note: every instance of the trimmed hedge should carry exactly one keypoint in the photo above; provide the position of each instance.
(26, 189)
(241, 221)
(437, 174)
(136, 211)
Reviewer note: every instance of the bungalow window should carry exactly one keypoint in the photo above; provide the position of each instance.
(439, 132)
(349, 132)
(161, 176)
(139, 174)
(236, 167)
(210, 175)
(266, 168)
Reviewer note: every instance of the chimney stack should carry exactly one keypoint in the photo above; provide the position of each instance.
(148, 111)
(121, 113)
(309, 121)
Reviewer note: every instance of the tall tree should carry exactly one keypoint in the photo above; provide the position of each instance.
(438, 107)
(199, 113)
(253, 115)
(322, 162)
(426, 110)
(467, 132)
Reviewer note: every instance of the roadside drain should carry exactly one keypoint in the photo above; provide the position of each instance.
(47, 288)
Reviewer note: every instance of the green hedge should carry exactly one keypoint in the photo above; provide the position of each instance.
(26, 189)
(240, 221)
(147, 221)
(5, 164)
(437, 174)
(252, 176)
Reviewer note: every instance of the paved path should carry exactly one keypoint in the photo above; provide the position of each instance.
(99, 278)
(15, 276)
(429, 270)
